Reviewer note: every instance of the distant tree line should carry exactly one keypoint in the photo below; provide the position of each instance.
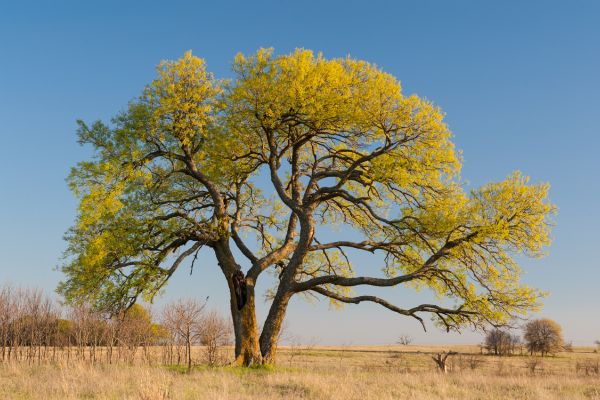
(36, 329)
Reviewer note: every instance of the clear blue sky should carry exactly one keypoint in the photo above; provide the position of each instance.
(519, 81)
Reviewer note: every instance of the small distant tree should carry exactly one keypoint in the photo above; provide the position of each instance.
(135, 330)
(183, 319)
(404, 340)
(597, 343)
(500, 342)
(533, 364)
(543, 336)
(568, 346)
(216, 333)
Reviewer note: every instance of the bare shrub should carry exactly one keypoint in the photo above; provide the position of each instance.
(533, 364)
(296, 346)
(295, 349)
(85, 330)
(568, 347)
(588, 367)
(28, 325)
(215, 333)
(183, 320)
(471, 362)
(404, 340)
(35, 329)
(135, 331)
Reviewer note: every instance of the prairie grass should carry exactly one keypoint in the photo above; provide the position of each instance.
(364, 373)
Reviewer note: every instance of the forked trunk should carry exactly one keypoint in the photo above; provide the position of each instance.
(243, 313)
(249, 349)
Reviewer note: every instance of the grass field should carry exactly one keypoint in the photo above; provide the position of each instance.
(392, 372)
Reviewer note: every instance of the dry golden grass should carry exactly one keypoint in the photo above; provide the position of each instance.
(317, 373)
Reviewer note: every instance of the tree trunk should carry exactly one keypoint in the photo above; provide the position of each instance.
(274, 321)
(189, 353)
(245, 327)
(247, 349)
(273, 324)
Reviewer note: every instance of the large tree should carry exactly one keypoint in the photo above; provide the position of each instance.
(259, 168)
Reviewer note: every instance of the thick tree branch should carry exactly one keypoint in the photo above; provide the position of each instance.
(445, 314)
(355, 281)
(373, 299)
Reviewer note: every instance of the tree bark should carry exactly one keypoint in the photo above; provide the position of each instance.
(270, 334)
(245, 326)
(274, 321)
(189, 353)
(247, 343)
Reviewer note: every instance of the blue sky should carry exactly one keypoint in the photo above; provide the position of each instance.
(519, 82)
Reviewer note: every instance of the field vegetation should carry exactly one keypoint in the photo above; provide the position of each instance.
(48, 351)
(310, 372)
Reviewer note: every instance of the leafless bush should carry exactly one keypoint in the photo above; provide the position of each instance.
(135, 331)
(404, 340)
(183, 320)
(216, 333)
(35, 329)
(28, 325)
(568, 347)
(295, 349)
(588, 367)
(296, 346)
(471, 362)
(533, 364)
(86, 331)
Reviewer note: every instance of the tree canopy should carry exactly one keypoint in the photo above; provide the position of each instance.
(269, 160)
(543, 336)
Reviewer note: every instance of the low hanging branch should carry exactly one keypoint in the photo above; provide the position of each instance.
(443, 313)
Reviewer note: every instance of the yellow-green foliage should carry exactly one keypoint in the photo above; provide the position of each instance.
(336, 139)
(182, 99)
